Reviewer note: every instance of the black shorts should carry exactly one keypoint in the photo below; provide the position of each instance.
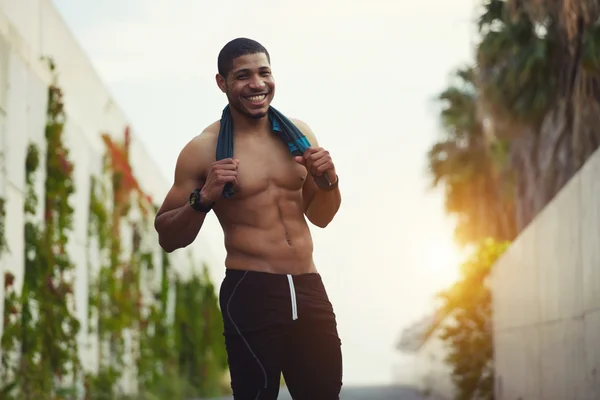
(278, 324)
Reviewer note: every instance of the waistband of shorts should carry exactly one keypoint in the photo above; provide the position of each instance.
(238, 273)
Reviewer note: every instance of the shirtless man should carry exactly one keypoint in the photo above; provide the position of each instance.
(276, 313)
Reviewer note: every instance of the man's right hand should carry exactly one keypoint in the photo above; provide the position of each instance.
(221, 173)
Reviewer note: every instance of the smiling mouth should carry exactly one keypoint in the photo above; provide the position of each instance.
(259, 98)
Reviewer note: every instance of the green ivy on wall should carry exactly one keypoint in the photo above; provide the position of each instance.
(115, 296)
(198, 326)
(177, 356)
(39, 342)
(3, 244)
(176, 347)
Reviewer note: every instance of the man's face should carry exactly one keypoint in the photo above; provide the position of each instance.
(249, 87)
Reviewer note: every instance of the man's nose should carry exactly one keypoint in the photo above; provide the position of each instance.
(257, 82)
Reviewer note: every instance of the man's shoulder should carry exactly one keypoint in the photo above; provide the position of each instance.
(212, 129)
(210, 133)
(203, 144)
(300, 124)
(207, 138)
(304, 128)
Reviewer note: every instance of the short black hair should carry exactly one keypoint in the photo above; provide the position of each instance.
(237, 48)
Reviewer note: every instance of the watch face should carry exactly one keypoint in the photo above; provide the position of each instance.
(193, 198)
(195, 202)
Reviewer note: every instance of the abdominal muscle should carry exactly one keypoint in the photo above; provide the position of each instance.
(268, 233)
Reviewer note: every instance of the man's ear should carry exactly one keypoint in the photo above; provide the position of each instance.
(221, 83)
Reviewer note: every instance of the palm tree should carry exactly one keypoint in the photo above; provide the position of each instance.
(469, 166)
(518, 125)
(538, 66)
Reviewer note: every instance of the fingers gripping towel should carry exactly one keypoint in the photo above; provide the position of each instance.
(286, 130)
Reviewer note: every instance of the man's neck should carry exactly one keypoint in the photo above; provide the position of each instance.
(246, 125)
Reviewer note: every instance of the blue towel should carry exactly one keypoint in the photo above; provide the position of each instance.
(288, 132)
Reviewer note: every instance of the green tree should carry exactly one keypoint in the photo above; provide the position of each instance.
(517, 126)
(522, 121)
(538, 79)
(470, 167)
(467, 327)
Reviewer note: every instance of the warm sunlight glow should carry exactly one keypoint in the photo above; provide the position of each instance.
(444, 258)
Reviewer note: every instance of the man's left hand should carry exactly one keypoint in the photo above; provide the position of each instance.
(318, 162)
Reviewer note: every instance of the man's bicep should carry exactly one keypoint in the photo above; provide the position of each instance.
(309, 189)
(179, 194)
(188, 177)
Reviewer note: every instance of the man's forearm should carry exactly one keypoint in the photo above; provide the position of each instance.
(324, 206)
(179, 227)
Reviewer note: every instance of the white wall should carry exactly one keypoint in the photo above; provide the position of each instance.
(546, 299)
(30, 29)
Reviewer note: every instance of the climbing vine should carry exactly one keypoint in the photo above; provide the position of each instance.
(3, 245)
(144, 319)
(116, 297)
(39, 341)
(198, 326)
(178, 347)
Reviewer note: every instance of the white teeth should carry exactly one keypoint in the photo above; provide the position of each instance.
(257, 99)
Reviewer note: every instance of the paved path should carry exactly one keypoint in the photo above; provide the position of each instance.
(365, 393)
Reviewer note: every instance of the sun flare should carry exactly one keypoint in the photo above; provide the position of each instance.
(444, 257)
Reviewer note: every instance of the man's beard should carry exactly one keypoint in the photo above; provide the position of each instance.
(257, 116)
(239, 108)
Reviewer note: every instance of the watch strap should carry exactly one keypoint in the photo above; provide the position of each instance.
(324, 184)
(196, 202)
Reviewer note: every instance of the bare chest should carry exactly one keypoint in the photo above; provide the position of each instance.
(264, 164)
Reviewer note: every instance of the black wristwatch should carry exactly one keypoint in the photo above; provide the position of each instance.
(324, 184)
(196, 202)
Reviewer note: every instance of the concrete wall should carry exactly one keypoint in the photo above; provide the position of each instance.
(546, 299)
(30, 29)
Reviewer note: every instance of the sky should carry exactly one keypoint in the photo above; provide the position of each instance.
(363, 75)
